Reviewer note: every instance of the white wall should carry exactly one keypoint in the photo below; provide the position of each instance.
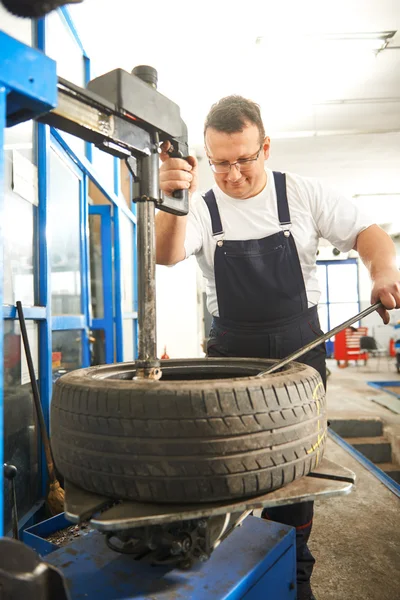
(178, 324)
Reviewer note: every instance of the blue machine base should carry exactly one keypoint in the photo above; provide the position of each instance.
(256, 562)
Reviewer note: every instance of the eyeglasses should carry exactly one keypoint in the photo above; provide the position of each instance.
(243, 164)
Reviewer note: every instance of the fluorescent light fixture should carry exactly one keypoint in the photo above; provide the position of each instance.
(374, 41)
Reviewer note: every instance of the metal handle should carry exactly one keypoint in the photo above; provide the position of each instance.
(320, 339)
(182, 195)
(10, 473)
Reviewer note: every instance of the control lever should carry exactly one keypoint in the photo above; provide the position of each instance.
(181, 195)
(10, 473)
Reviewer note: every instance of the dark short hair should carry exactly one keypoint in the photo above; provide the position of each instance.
(231, 114)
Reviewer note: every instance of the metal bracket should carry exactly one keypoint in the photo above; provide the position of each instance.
(106, 514)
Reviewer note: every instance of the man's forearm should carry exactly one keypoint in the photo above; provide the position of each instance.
(376, 250)
(170, 238)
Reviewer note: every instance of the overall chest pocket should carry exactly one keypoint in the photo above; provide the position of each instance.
(251, 253)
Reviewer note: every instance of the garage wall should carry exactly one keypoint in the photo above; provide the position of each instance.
(179, 310)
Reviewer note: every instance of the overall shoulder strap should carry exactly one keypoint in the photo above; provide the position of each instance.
(281, 196)
(209, 199)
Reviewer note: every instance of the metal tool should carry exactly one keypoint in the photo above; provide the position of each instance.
(322, 338)
(55, 496)
(10, 473)
(124, 115)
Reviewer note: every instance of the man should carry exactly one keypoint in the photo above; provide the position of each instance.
(255, 236)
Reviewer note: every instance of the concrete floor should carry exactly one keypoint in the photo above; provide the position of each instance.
(356, 538)
(349, 396)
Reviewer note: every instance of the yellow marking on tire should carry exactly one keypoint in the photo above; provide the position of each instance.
(320, 437)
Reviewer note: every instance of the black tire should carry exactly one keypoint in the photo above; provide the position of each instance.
(210, 429)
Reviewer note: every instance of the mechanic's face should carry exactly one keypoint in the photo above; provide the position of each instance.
(247, 178)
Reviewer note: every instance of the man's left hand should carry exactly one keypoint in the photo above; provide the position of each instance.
(386, 288)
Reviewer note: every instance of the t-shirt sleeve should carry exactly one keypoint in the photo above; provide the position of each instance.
(194, 236)
(338, 218)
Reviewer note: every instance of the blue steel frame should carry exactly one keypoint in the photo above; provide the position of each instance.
(325, 263)
(266, 569)
(41, 312)
(3, 101)
(28, 84)
(107, 322)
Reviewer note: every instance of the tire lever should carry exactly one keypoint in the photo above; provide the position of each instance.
(320, 339)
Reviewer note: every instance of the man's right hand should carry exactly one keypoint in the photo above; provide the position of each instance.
(177, 173)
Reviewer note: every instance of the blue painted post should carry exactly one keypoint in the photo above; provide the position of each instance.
(3, 100)
(118, 288)
(106, 257)
(86, 75)
(119, 331)
(85, 274)
(45, 333)
(44, 291)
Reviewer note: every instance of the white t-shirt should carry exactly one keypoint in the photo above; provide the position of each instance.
(315, 211)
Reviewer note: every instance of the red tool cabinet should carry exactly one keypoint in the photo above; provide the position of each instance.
(347, 344)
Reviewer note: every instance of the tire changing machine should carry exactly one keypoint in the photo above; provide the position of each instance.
(184, 552)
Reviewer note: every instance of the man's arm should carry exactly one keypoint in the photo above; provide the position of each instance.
(175, 174)
(170, 238)
(378, 253)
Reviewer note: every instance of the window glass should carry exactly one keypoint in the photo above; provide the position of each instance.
(103, 164)
(20, 200)
(20, 428)
(128, 345)
(64, 227)
(339, 313)
(66, 351)
(96, 269)
(126, 240)
(321, 274)
(343, 282)
(18, 28)
(98, 347)
(63, 48)
(323, 317)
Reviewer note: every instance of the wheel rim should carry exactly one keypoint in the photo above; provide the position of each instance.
(190, 370)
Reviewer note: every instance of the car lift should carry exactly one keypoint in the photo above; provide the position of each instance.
(124, 115)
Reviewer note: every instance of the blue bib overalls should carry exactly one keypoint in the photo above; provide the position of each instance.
(263, 313)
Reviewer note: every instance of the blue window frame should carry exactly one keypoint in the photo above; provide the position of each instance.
(337, 302)
(104, 322)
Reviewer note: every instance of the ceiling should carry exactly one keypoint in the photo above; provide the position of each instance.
(330, 113)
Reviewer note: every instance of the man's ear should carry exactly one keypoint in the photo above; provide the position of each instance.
(266, 146)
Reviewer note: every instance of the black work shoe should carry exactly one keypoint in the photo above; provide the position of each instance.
(310, 596)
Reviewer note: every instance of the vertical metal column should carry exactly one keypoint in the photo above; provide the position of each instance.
(146, 260)
(3, 100)
(44, 287)
(86, 305)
